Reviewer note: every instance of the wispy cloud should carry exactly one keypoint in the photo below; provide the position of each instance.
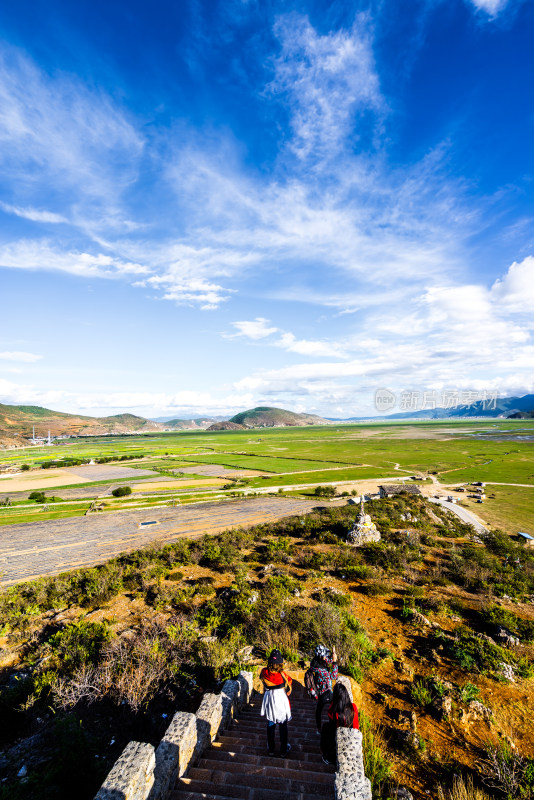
(253, 329)
(329, 80)
(41, 254)
(491, 7)
(34, 214)
(19, 355)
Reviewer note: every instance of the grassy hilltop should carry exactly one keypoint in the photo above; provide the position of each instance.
(263, 416)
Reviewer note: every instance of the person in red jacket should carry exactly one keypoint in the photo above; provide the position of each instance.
(341, 714)
(275, 706)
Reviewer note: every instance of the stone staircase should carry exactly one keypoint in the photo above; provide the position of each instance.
(237, 764)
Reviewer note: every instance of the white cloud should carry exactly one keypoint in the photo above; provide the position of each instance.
(515, 290)
(307, 347)
(17, 355)
(254, 329)
(63, 131)
(33, 214)
(491, 7)
(97, 403)
(328, 79)
(41, 254)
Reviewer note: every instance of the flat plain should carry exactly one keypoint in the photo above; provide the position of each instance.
(186, 465)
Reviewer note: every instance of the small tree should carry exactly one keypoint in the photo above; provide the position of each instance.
(325, 491)
(121, 491)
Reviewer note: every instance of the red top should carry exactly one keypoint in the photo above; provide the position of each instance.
(355, 722)
(276, 678)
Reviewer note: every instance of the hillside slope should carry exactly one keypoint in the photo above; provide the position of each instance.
(17, 422)
(265, 417)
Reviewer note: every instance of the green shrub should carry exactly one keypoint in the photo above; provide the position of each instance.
(507, 771)
(376, 588)
(79, 643)
(279, 549)
(469, 692)
(497, 615)
(421, 693)
(358, 572)
(39, 497)
(121, 491)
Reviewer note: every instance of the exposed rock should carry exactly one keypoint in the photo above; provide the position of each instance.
(420, 619)
(485, 637)
(406, 739)
(507, 671)
(402, 793)
(504, 637)
(475, 712)
(442, 706)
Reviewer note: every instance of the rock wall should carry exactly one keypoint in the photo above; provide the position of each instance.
(351, 783)
(142, 773)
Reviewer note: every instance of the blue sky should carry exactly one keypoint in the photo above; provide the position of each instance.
(206, 206)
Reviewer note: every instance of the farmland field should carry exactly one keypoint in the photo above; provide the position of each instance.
(493, 451)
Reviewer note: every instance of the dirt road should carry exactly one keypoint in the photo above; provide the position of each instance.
(31, 549)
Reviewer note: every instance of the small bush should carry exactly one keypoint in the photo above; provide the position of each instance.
(421, 693)
(469, 692)
(507, 771)
(376, 588)
(39, 497)
(121, 491)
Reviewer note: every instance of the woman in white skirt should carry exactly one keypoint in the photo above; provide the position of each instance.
(275, 706)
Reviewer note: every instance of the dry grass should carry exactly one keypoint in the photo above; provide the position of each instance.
(463, 789)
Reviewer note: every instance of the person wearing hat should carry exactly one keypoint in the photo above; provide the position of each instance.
(324, 670)
(275, 706)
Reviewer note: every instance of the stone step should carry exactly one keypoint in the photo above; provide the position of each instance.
(310, 762)
(259, 747)
(234, 785)
(292, 770)
(260, 727)
(249, 794)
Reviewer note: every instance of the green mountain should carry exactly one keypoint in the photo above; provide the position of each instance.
(265, 417)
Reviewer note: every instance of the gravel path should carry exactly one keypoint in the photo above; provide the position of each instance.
(32, 549)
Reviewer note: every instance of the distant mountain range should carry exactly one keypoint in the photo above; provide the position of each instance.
(196, 422)
(504, 407)
(17, 422)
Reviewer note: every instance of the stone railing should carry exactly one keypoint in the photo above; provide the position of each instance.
(144, 773)
(351, 783)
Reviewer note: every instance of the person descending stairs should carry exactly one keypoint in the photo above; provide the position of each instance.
(238, 765)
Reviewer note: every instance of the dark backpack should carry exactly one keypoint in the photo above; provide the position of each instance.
(309, 683)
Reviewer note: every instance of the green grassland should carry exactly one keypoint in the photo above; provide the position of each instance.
(508, 507)
(456, 452)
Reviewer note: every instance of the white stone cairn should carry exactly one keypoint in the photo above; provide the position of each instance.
(364, 529)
